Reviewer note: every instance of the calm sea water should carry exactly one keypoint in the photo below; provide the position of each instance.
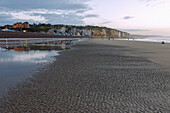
(155, 39)
(150, 39)
(20, 58)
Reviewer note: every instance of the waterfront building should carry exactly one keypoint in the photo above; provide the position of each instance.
(26, 25)
(21, 25)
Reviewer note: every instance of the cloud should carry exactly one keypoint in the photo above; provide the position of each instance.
(128, 30)
(127, 17)
(43, 11)
(5, 19)
(44, 4)
(64, 19)
(106, 22)
(91, 16)
(152, 2)
(147, 0)
(23, 15)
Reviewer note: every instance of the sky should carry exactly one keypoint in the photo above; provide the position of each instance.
(135, 16)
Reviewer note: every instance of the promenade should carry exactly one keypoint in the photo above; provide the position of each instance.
(97, 76)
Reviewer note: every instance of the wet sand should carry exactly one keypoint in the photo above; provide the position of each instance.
(98, 76)
(153, 51)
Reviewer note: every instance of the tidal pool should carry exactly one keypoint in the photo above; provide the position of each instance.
(19, 59)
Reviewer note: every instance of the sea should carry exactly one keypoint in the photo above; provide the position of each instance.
(155, 39)
(158, 39)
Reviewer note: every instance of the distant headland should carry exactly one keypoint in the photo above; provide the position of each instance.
(64, 30)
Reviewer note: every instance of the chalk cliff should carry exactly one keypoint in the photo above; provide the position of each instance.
(91, 31)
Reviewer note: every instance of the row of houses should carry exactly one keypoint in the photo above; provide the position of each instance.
(16, 25)
(21, 25)
(12, 28)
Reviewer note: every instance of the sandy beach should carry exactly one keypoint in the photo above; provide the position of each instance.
(153, 51)
(98, 76)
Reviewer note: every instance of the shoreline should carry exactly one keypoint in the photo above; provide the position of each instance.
(153, 51)
(97, 76)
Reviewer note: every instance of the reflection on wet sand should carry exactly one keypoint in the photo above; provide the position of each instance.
(35, 44)
(27, 57)
(38, 47)
(19, 57)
